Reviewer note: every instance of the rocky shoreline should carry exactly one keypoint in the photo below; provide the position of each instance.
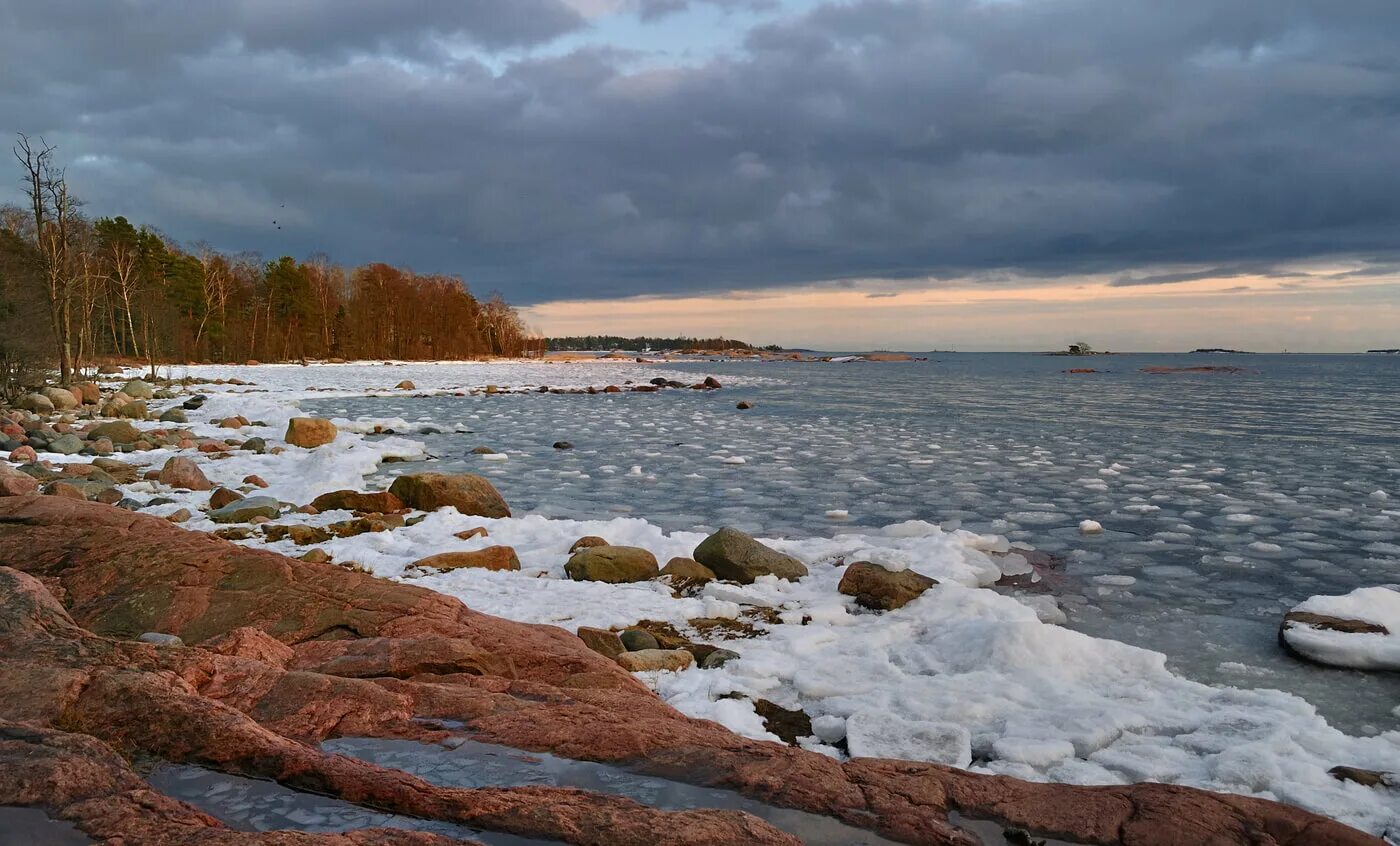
(284, 653)
(128, 640)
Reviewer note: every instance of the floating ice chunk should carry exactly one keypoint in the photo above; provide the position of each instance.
(877, 734)
(1014, 564)
(495, 456)
(1090, 527)
(1361, 650)
(1046, 609)
(1035, 752)
(735, 459)
(829, 728)
(1115, 580)
(837, 514)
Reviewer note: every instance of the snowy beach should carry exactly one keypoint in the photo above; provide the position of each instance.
(1022, 679)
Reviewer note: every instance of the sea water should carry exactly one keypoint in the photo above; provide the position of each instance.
(1225, 498)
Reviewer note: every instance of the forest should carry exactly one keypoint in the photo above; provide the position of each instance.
(617, 342)
(77, 291)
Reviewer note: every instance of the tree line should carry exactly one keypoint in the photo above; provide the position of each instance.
(578, 343)
(75, 291)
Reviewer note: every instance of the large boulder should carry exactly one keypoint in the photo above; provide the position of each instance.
(62, 398)
(490, 558)
(174, 415)
(37, 403)
(382, 502)
(612, 564)
(116, 431)
(244, 510)
(180, 472)
(737, 557)
(137, 389)
(134, 410)
(310, 432)
(469, 494)
(883, 590)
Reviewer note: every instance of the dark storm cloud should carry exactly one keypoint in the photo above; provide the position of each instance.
(865, 139)
(649, 10)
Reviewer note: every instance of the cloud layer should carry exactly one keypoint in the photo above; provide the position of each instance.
(872, 138)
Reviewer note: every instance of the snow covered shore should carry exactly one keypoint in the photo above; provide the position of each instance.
(962, 675)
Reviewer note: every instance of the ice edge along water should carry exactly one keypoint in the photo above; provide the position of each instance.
(962, 675)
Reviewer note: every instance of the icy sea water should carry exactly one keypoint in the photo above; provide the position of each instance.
(1225, 498)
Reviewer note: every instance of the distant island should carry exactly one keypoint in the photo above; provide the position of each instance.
(1221, 350)
(1394, 351)
(582, 343)
(1078, 348)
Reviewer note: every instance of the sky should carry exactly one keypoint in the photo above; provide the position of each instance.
(901, 174)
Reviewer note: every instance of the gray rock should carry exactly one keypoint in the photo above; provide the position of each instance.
(635, 640)
(174, 415)
(37, 403)
(136, 389)
(245, 510)
(257, 445)
(62, 398)
(135, 410)
(718, 658)
(737, 557)
(194, 402)
(69, 444)
(161, 639)
(117, 431)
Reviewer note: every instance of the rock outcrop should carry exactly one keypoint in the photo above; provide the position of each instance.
(281, 654)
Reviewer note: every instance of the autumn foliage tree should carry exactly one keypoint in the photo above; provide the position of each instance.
(90, 290)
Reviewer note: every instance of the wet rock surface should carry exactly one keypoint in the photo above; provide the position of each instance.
(282, 652)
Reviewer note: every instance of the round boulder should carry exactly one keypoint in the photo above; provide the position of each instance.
(734, 556)
(612, 564)
(469, 494)
(586, 542)
(882, 590)
(310, 432)
(136, 389)
(181, 472)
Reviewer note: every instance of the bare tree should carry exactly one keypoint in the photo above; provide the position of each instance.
(53, 209)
